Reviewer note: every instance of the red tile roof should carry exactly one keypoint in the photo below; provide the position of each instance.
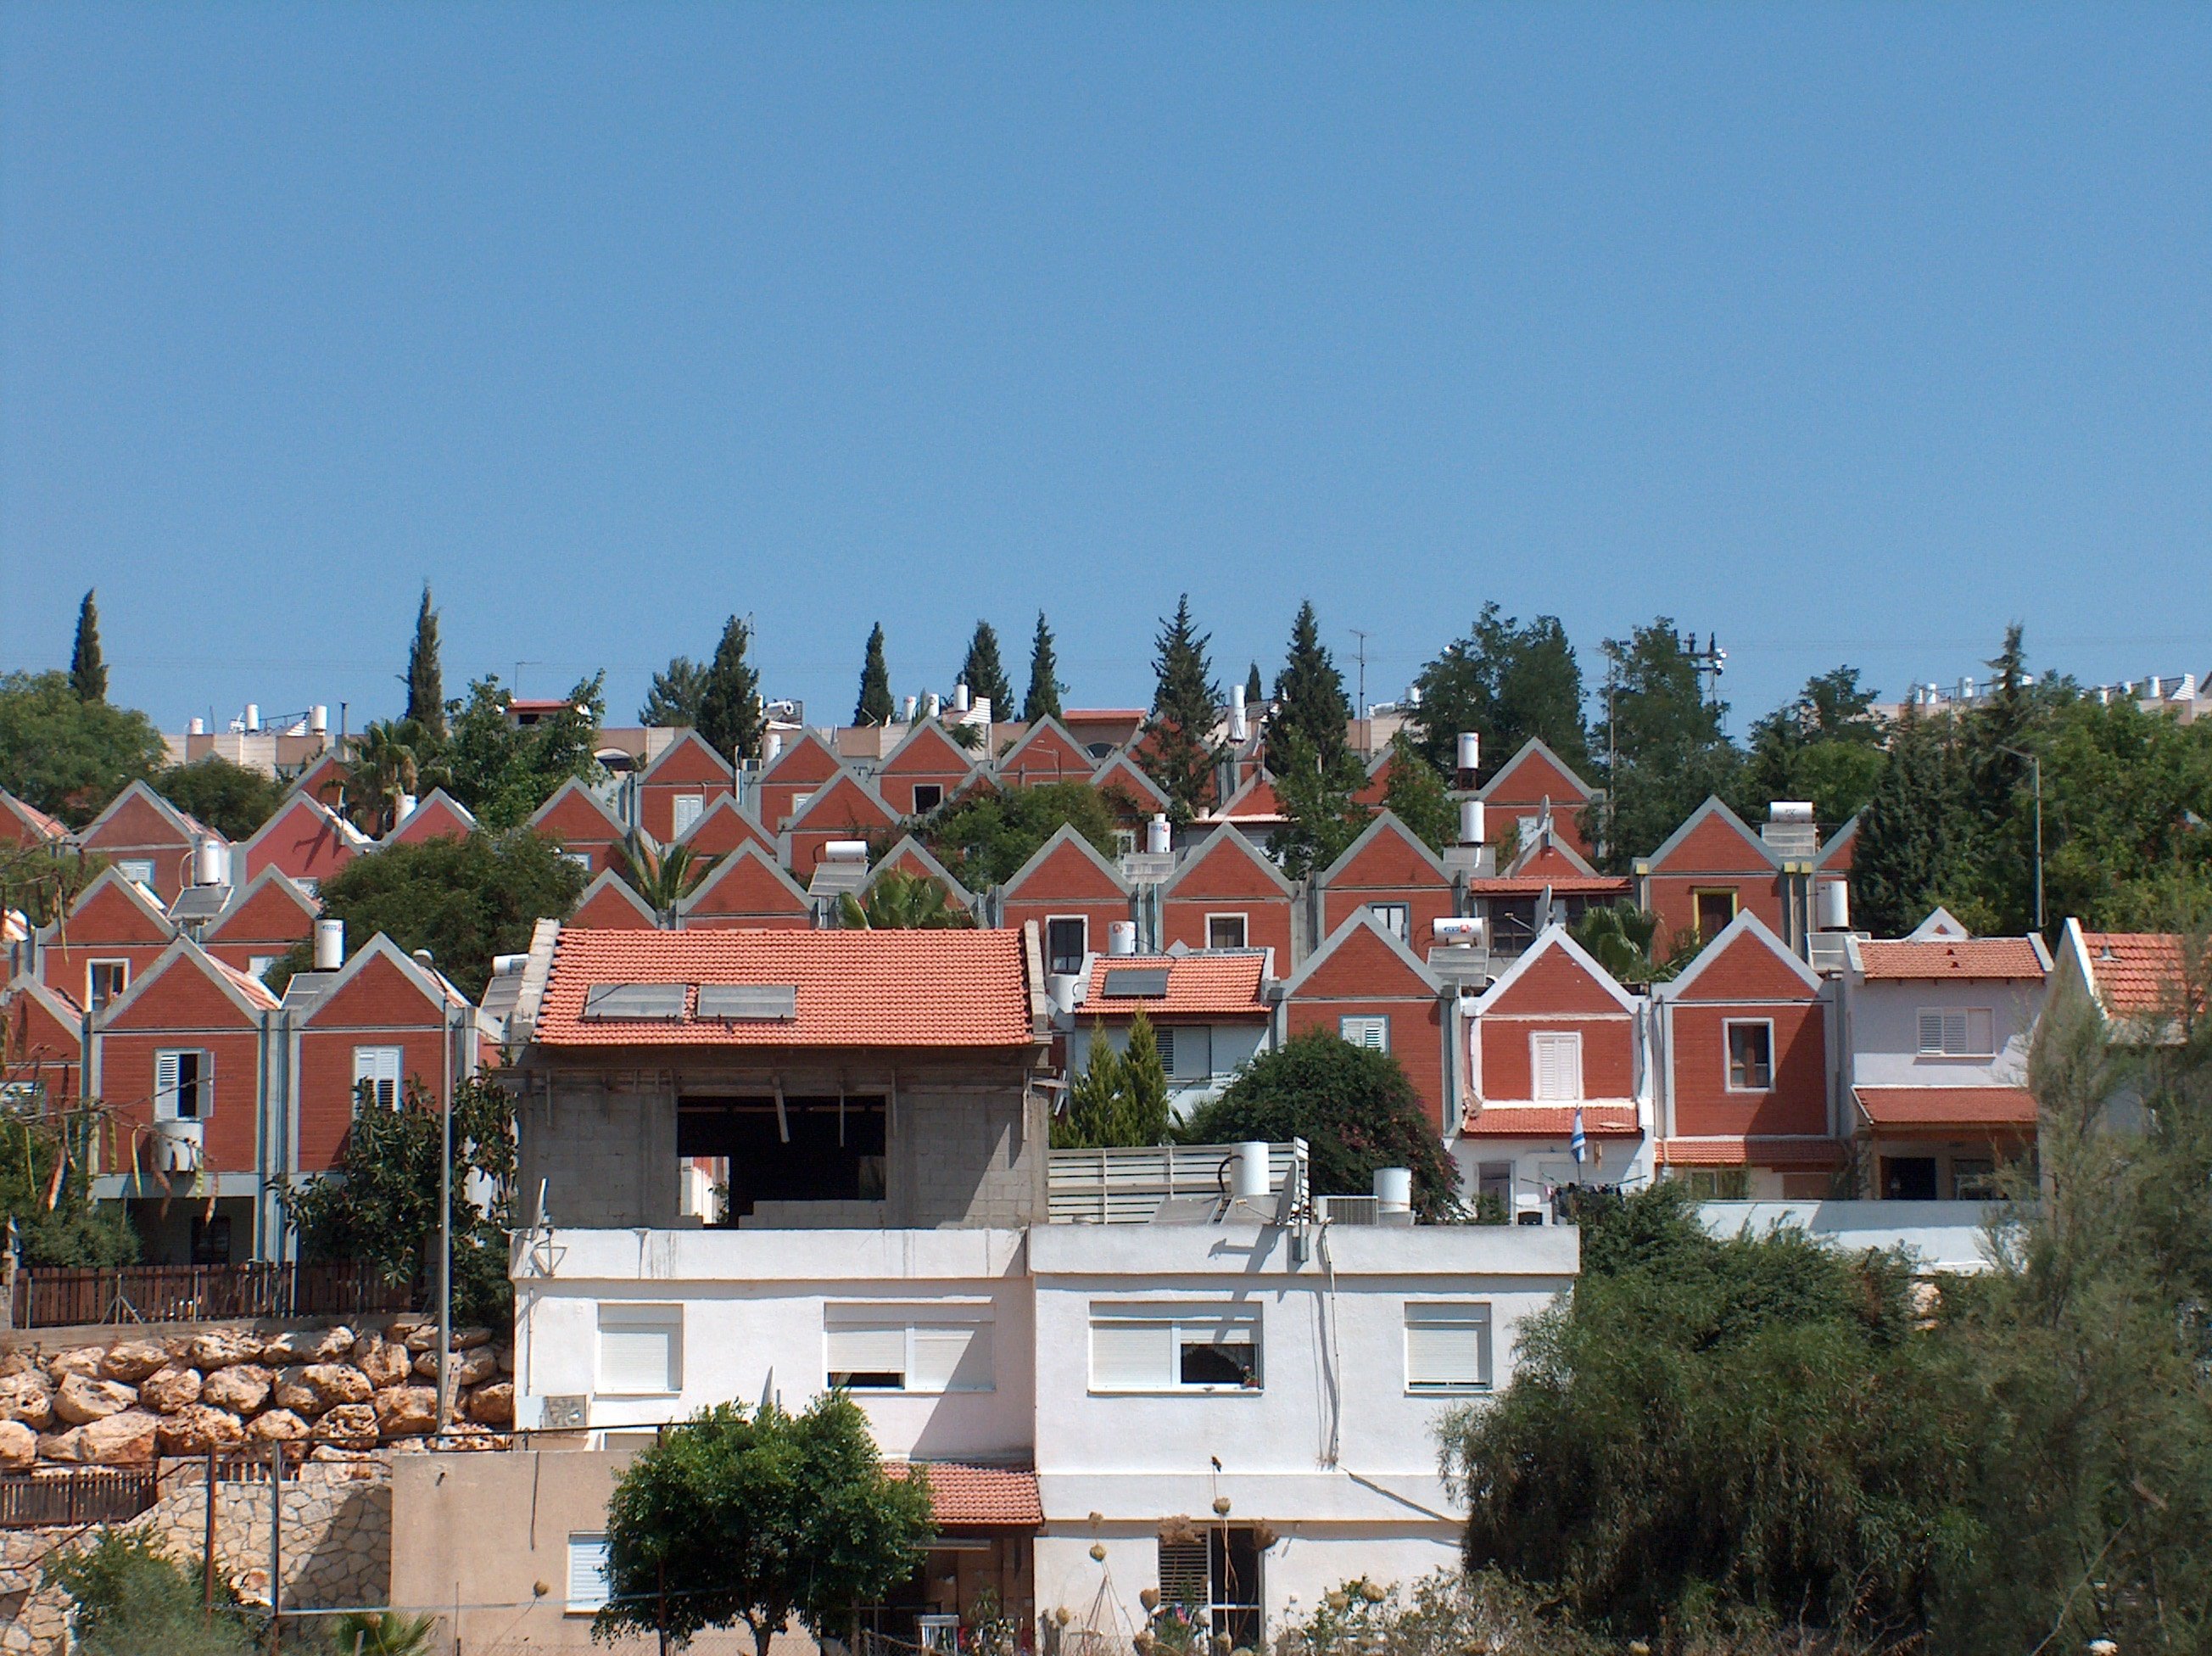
(2138, 974)
(854, 989)
(1947, 1106)
(1766, 1152)
(1228, 982)
(1966, 958)
(1551, 1121)
(1558, 884)
(964, 1497)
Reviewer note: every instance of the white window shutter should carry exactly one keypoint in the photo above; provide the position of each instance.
(641, 1349)
(689, 809)
(1127, 1354)
(867, 1348)
(588, 1572)
(166, 1066)
(951, 1357)
(1931, 1032)
(1556, 1061)
(1447, 1347)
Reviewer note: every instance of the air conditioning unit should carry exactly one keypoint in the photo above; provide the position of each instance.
(178, 1146)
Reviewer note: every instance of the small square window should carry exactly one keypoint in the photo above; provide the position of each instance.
(138, 870)
(1226, 931)
(1372, 1034)
(1446, 1347)
(1397, 918)
(1067, 941)
(376, 1075)
(183, 1085)
(1716, 908)
(640, 1350)
(927, 796)
(104, 981)
(1555, 1065)
(1750, 1057)
(689, 809)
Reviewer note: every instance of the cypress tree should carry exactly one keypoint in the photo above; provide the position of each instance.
(1043, 700)
(874, 707)
(1312, 690)
(983, 674)
(730, 715)
(87, 668)
(1255, 691)
(672, 699)
(1179, 750)
(1909, 833)
(1143, 1115)
(425, 681)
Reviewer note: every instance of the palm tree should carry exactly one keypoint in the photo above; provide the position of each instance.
(663, 875)
(385, 765)
(383, 1633)
(1619, 938)
(898, 901)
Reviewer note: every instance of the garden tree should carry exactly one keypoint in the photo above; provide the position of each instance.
(464, 900)
(757, 1516)
(425, 679)
(874, 706)
(1669, 751)
(229, 798)
(383, 1210)
(1749, 1425)
(1043, 701)
(1120, 1097)
(1826, 746)
(984, 675)
(1416, 796)
(2126, 796)
(1179, 752)
(1322, 818)
(1620, 936)
(385, 765)
(129, 1597)
(1310, 699)
(662, 876)
(896, 900)
(985, 834)
(1910, 834)
(87, 668)
(1506, 682)
(730, 718)
(503, 771)
(672, 699)
(65, 755)
(1353, 1106)
(45, 881)
(45, 1179)
(1256, 690)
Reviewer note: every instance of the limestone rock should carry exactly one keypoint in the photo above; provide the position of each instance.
(29, 1397)
(133, 1361)
(350, 1426)
(169, 1389)
(19, 1446)
(277, 1426)
(125, 1438)
(423, 1336)
(198, 1429)
(336, 1383)
(384, 1363)
(80, 1360)
(13, 1363)
(468, 1339)
(492, 1404)
(292, 1391)
(225, 1348)
(241, 1388)
(468, 1368)
(308, 1345)
(506, 1359)
(407, 1411)
(62, 1447)
(81, 1401)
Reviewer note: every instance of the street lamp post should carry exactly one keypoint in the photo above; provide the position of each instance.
(2035, 771)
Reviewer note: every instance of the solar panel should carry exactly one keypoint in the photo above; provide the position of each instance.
(748, 1003)
(613, 1001)
(1137, 983)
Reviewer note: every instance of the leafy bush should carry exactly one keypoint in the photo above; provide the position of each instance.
(130, 1598)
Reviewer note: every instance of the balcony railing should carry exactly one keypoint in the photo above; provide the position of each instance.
(92, 1496)
(198, 1294)
(1126, 1186)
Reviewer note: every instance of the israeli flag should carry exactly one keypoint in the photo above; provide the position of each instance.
(1580, 1142)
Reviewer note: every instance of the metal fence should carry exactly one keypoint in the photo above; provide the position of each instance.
(199, 1294)
(92, 1495)
(1126, 1186)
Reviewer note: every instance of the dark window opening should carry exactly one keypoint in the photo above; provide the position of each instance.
(814, 1149)
(1908, 1179)
(1065, 943)
(868, 1381)
(1715, 911)
(927, 796)
(1231, 1361)
(211, 1240)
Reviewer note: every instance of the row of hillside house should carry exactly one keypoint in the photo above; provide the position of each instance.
(1122, 1373)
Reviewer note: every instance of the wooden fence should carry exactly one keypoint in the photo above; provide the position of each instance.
(199, 1294)
(90, 1495)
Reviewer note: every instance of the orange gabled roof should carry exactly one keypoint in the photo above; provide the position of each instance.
(1963, 959)
(1803, 1153)
(2137, 974)
(851, 988)
(1217, 983)
(962, 1497)
(1550, 1120)
(41, 825)
(1947, 1106)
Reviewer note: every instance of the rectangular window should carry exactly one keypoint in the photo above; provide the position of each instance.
(210, 1240)
(640, 1350)
(1555, 1065)
(896, 1348)
(1067, 941)
(1397, 918)
(689, 807)
(1713, 1184)
(1974, 1178)
(183, 1085)
(1186, 1051)
(581, 859)
(1715, 910)
(376, 1068)
(1969, 1032)
(1179, 1348)
(1750, 1055)
(587, 1574)
(1373, 1033)
(138, 870)
(104, 981)
(1215, 1582)
(1227, 931)
(1448, 1347)
(927, 796)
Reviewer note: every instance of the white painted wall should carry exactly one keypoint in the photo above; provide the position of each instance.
(1882, 1023)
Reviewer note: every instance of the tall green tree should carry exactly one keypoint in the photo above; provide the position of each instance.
(1669, 750)
(985, 836)
(1826, 746)
(984, 674)
(730, 717)
(1255, 691)
(68, 756)
(230, 799)
(504, 771)
(1912, 832)
(1043, 701)
(1145, 1117)
(87, 668)
(1416, 795)
(757, 1517)
(1180, 753)
(1309, 692)
(672, 701)
(1092, 1119)
(426, 679)
(1507, 683)
(874, 706)
(1321, 815)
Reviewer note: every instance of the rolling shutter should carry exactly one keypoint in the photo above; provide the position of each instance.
(866, 1347)
(641, 1349)
(588, 1572)
(1131, 1355)
(1446, 1347)
(951, 1357)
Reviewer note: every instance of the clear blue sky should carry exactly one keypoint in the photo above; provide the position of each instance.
(1848, 334)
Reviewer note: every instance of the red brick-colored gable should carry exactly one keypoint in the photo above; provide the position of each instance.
(1554, 982)
(301, 840)
(1229, 878)
(135, 823)
(1532, 776)
(687, 764)
(1716, 846)
(1745, 968)
(109, 915)
(324, 781)
(1128, 789)
(1256, 800)
(268, 914)
(926, 754)
(1391, 860)
(1377, 789)
(843, 810)
(183, 997)
(576, 821)
(803, 767)
(612, 907)
(47, 1046)
(26, 825)
(1046, 754)
(379, 996)
(1362, 965)
(435, 818)
(1065, 874)
(1836, 857)
(721, 829)
(1231, 869)
(750, 888)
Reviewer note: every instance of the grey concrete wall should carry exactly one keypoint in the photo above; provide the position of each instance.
(604, 1147)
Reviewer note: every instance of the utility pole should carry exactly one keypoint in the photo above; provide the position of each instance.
(1366, 733)
(2035, 769)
